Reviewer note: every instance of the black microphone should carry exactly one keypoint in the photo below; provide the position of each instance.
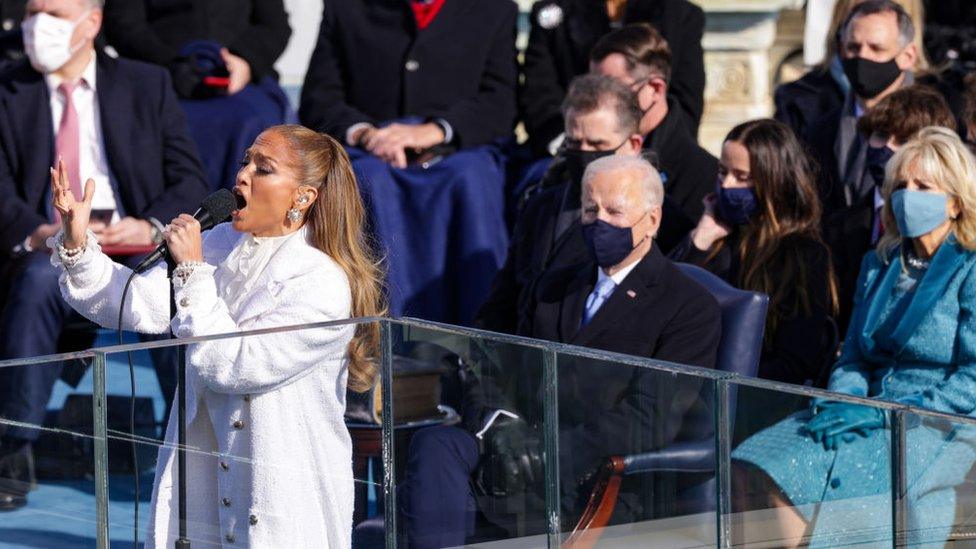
(214, 209)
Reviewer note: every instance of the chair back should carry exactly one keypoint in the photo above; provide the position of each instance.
(743, 321)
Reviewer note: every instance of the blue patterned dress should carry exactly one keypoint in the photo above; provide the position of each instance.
(912, 340)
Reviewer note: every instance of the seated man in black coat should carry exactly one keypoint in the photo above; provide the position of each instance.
(638, 56)
(563, 33)
(238, 40)
(878, 55)
(422, 91)
(626, 297)
(112, 120)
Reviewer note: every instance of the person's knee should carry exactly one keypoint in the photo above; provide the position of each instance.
(445, 444)
(36, 284)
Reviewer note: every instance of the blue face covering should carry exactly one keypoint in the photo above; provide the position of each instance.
(876, 160)
(608, 244)
(736, 206)
(918, 212)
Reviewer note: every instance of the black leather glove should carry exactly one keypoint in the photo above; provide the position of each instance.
(512, 459)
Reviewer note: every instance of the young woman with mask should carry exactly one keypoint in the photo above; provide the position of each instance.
(912, 341)
(273, 459)
(761, 232)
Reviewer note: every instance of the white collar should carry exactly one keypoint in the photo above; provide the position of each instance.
(619, 276)
(87, 76)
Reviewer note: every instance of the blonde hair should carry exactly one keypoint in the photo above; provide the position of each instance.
(915, 10)
(941, 156)
(336, 223)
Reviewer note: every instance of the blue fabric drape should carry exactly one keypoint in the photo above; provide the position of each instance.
(442, 230)
(224, 127)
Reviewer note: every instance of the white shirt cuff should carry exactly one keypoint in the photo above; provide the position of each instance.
(352, 131)
(553, 146)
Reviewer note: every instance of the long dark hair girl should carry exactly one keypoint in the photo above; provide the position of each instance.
(788, 207)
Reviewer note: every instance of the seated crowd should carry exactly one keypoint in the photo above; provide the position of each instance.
(854, 211)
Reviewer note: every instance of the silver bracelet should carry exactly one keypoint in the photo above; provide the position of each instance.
(184, 270)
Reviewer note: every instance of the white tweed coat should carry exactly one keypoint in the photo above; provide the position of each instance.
(271, 464)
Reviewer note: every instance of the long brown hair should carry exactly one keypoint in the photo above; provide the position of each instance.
(336, 223)
(788, 206)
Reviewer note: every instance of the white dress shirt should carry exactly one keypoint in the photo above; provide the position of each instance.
(619, 276)
(92, 160)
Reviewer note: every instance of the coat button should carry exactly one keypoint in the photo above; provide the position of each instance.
(8, 24)
(412, 65)
(226, 502)
(247, 398)
(835, 483)
(229, 538)
(224, 466)
(253, 519)
(239, 424)
(185, 302)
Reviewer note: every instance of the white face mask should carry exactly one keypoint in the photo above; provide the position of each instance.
(47, 41)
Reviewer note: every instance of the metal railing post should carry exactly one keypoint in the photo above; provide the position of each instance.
(551, 441)
(100, 449)
(723, 465)
(898, 482)
(389, 459)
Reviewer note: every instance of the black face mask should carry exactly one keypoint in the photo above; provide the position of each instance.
(870, 78)
(577, 160)
(875, 162)
(608, 244)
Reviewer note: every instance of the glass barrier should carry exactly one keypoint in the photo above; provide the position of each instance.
(584, 449)
(470, 454)
(637, 451)
(799, 476)
(266, 447)
(937, 491)
(51, 456)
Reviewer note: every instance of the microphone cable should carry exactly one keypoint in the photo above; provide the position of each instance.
(132, 417)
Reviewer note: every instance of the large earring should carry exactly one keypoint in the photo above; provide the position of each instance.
(294, 215)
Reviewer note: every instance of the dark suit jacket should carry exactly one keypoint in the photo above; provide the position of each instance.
(150, 153)
(555, 56)
(155, 30)
(802, 103)
(372, 65)
(691, 171)
(656, 312)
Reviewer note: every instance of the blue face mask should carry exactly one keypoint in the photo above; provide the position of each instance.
(918, 213)
(609, 244)
(736, 206)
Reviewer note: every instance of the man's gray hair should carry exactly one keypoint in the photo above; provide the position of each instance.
(906, 27)
(649, 176)
(591, 92)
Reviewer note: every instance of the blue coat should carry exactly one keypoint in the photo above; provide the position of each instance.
(927, 357)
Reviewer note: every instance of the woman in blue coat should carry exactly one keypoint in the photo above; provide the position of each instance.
(912, 340)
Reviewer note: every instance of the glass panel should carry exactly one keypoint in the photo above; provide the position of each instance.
(799, 479)
(453, 486)
(636, 454)
(47, 459)
(939, 489)
(269, 456)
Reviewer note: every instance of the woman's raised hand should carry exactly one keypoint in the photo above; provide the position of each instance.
(74, 214)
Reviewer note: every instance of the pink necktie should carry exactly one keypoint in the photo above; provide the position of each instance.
(66, 145)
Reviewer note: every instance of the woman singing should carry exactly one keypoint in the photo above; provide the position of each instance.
(270, 459)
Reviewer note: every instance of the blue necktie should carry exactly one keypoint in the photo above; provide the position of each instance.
(597, 298)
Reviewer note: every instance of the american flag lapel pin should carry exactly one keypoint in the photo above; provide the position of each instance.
(631, 294)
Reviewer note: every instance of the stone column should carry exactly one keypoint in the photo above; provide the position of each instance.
(739, 37)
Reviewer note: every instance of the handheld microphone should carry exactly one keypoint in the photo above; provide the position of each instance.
(214, 209)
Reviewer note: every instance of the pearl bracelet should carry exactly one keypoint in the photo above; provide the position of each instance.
(184, 270)
(69, 256)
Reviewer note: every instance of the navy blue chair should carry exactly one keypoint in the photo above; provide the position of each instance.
(743, 324)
